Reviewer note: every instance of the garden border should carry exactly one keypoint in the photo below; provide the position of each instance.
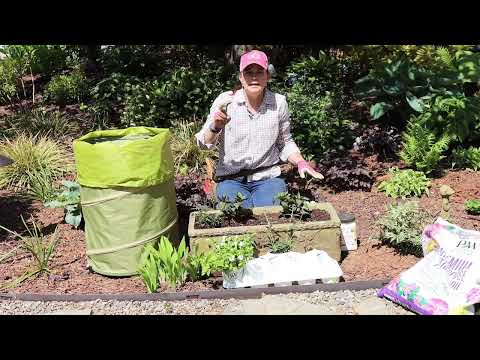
(245, 293)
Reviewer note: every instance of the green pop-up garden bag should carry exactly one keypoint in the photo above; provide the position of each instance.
(127, 195)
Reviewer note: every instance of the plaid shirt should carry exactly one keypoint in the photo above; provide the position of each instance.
(250, 141)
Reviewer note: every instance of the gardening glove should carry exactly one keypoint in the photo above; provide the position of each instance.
(304, 167)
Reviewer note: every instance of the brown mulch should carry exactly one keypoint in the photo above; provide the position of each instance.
(371, 261)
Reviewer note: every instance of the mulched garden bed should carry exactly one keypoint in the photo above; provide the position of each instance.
(273, 218)
(371, 261)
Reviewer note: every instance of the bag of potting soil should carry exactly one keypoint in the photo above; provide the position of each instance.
(447, 279)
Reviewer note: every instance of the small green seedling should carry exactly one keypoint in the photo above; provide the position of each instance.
(294, 206)
(472, 206)
(210, 220)
(232, 210)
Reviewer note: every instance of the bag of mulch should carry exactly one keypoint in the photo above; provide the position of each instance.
(447, 279)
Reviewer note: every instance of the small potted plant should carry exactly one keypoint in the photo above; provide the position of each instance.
(231, 254)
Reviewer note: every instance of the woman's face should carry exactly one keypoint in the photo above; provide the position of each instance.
(254, 79)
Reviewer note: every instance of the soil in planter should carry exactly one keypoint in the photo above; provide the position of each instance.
(274, 218)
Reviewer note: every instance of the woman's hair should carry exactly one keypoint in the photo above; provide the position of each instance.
(236, 87)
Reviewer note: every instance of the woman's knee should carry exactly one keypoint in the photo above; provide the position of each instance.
(229, 189)
(264, 195)
(278, 185)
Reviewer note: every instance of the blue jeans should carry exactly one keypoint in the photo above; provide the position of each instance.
(257, 193)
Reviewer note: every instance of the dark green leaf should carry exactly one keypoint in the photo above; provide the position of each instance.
(379, 109)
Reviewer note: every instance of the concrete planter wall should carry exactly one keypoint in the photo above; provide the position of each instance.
(320, 235)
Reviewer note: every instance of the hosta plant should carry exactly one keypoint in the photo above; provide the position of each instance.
(405, 183)
(404, 86)
(70, 200)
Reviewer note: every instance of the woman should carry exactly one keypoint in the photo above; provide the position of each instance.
(251, 127)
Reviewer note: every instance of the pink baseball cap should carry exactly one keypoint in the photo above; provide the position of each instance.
(254, 57)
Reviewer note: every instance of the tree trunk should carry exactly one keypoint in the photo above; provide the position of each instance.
(33, 86)
(23, 87)
(91, 53)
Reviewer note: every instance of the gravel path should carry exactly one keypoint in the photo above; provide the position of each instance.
(341, 302)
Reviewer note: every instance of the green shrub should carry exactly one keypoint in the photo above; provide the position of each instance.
(50, 59)
(150, 60)
(31, 155)
(21, 59)
(402, 226)
(472, 206)
(318, 123)
(140, 60)
(40, 122)
(455, 116)
(421, 149)
(466, 158)
(180, 94)
(405, 183)
(67, 89)
(318, 104)
(405, 87)
(8, 82)
(431, 56)
(111, 91)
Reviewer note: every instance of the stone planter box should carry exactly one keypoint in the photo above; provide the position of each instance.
(320, 235)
